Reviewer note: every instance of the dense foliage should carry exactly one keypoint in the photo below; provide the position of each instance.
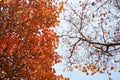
(26, 41)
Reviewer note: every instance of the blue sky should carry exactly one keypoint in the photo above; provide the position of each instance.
(78, 75)
(75, 74)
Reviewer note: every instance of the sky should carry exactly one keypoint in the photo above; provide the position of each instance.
(78, 75)
(75, 74)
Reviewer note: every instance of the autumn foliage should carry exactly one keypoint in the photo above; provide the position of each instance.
(26, 41)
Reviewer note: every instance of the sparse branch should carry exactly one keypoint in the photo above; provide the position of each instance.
(102, 5)
(74, 45)
(92, 38)
(103, 33)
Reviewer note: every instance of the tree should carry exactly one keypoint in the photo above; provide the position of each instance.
(27, 41)
(92, 38)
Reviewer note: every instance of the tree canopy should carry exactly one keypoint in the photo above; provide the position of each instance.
(92, 38)
(27, 41)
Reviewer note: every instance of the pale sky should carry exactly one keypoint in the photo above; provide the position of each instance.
(75, 74)
(78, 75)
